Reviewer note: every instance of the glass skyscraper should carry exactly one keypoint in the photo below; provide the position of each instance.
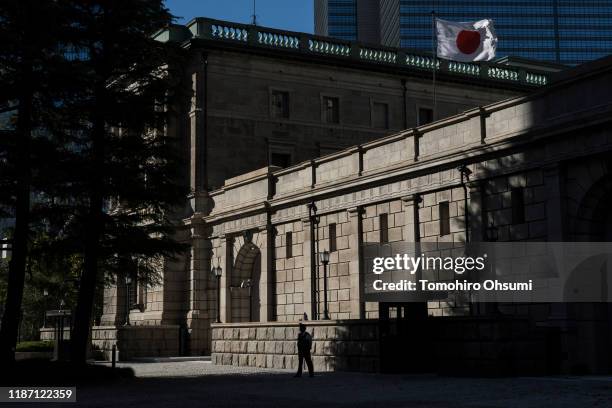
(341, 17)
(563, 31)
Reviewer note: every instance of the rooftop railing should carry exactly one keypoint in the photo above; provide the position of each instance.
(326, 47)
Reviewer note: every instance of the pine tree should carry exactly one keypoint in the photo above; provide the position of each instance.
(127, 183)
(29, 32)
(86, 93)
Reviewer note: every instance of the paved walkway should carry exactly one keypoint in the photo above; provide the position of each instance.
(202, 384)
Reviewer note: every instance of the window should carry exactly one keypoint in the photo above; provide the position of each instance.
(425, 116)
(331, 109)
(518, 205)
(332, 238)
(280, 159)
(444, 212)
(380, 115)
(288, 245)
(279, 104)
(384, 228)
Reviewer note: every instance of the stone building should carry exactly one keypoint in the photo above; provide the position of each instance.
(264, 105)
(541, 170)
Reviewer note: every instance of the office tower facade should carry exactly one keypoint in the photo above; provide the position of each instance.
(375, 22)
(562, 31)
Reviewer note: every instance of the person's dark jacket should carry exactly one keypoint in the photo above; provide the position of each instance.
(304, 342)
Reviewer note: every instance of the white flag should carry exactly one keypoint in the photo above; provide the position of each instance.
(472, 41)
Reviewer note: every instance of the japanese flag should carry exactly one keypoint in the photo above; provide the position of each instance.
(472, 41)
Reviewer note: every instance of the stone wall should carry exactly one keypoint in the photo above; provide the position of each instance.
(289, 264)
(339, 279)
(493, 346)
(137, 341)
(350, 345)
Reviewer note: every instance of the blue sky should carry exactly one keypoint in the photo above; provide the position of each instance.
(294, 15)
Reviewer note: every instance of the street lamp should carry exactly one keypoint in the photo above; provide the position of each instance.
(217, 272)
(128, 283)
(46, 297)
(465, 173)
(314, 261)
(324, 257)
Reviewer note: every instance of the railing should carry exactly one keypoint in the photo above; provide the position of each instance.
(464, 68)
(329, 47)
(503, 73)
(421, 61)
(255, 36)
(228, 32)
(278, 40)
(536, 79)
(378, 55)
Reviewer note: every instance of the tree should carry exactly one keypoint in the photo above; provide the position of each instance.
(126, 184)
(85, 96)
(29, 36)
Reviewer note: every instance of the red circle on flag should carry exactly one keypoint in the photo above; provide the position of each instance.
(468, 41)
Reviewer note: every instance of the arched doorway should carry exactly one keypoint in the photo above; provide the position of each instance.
(590, 333)
(244, 285)
(593, 221)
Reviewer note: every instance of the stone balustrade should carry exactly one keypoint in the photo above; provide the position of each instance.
(327, 47)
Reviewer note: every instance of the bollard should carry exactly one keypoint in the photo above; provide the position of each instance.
(114, 356)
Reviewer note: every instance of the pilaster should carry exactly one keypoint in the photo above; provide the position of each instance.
(355, 263)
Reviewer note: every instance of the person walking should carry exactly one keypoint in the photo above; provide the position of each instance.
(304, 344)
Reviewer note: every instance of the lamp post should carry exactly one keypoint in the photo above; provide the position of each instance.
(465, 177)
(46, 297)
(324, 257)
(217, 272)
(314, 261)
(128, 283)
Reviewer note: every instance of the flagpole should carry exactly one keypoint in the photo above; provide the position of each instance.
(435, 59)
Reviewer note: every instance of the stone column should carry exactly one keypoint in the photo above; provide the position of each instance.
(477, 233)
(202, 308)
(199, 264)
(267, 279)
(309, 301)
(476, 215)
(355, 263)
(411, 211)
(559, 314)
(411, 234)
(225, 260)
(554, 181)
(197, 181)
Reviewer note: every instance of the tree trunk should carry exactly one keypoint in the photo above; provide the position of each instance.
(17, 265)
(79, 343)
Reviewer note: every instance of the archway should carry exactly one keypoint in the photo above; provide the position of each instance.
(590, 340)
(593, 221)
(244, 285)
